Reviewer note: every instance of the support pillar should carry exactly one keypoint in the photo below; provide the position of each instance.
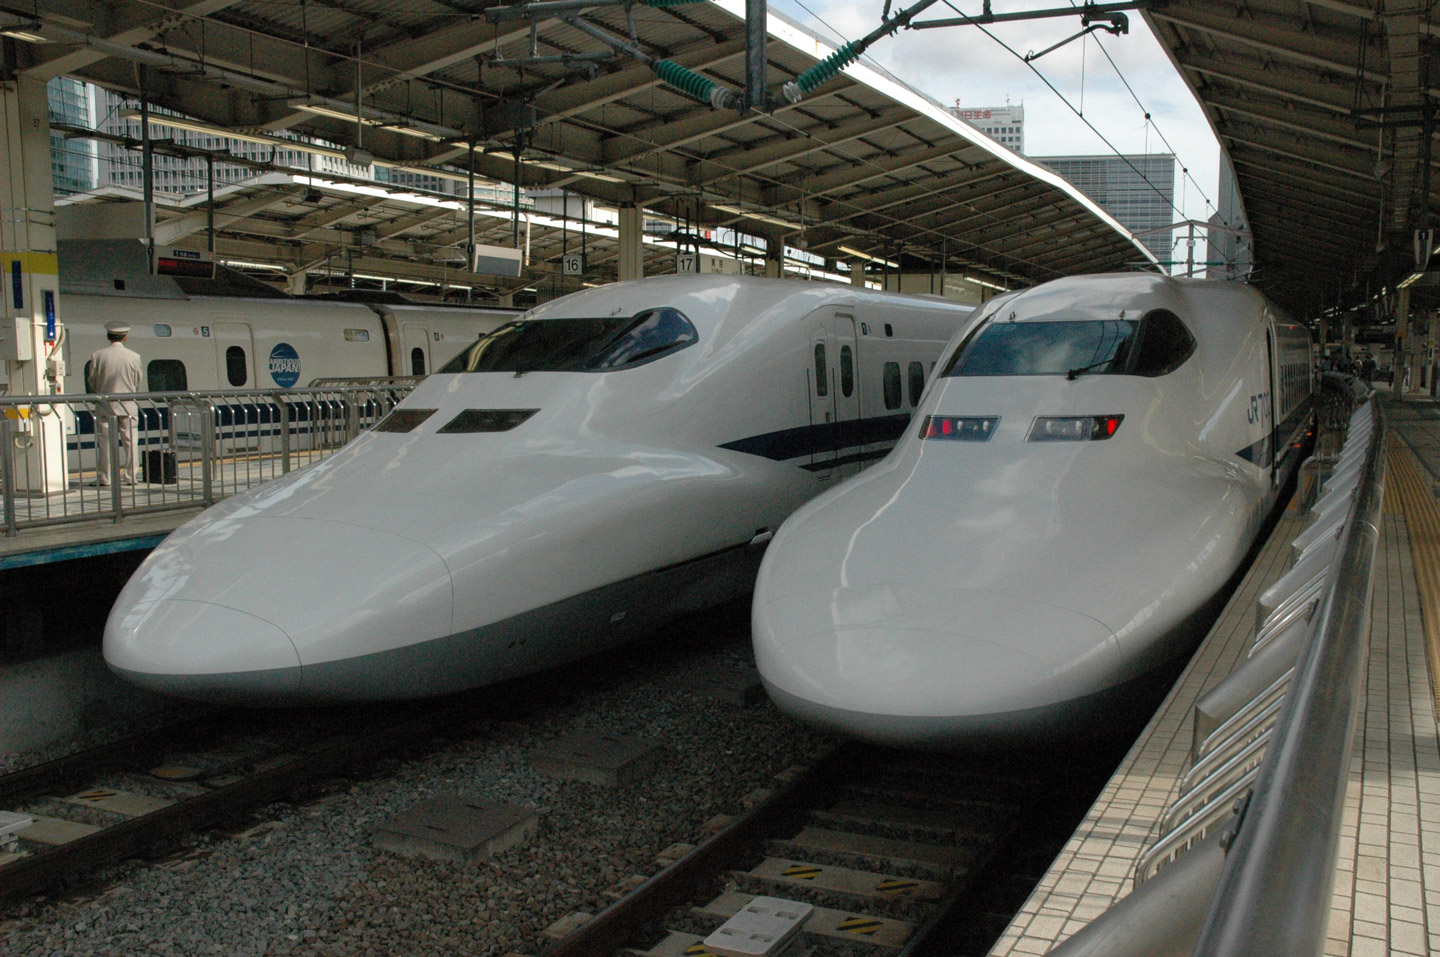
(632, 243)
(774, 258)
(30, 287)
(1403, 351)
(857, 272)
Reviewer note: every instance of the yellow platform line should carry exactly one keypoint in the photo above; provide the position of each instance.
(1407, 493)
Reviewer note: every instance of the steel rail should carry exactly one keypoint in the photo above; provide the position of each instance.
(610, 929)
(53, 866)
(1275, 892)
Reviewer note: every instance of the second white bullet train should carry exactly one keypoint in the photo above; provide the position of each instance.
(1087, 470)
(617, 457)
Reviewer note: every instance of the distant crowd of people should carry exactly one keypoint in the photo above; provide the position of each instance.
(1363, 367)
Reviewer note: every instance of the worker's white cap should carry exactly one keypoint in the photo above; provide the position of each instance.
(118, 328)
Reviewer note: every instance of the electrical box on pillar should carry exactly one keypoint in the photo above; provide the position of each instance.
(17, 340)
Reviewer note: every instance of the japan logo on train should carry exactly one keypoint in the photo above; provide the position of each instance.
(284, 365)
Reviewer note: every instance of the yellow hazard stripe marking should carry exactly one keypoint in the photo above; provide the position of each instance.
(698, 950)
(803, 872)
(43, 264)
(859, 925)
(95, 795)
(896, 887)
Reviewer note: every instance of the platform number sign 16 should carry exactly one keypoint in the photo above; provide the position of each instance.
(573, 264)
(687, 262)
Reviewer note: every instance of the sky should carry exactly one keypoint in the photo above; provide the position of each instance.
(964, 63)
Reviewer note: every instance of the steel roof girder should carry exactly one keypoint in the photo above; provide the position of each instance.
(1274, 89)
(827, 183)
(900, 195)
(690, 129)
(1247, 110)
(1332, 53)
(1290, 182)
(781, 148)
(573, 99)
(142, 25)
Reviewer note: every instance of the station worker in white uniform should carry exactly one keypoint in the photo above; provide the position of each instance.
(116, 369)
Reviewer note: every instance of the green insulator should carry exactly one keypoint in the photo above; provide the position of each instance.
(828, 67)
(686, 81)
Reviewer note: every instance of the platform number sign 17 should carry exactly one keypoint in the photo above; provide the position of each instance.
(687, 262)
(573, 264)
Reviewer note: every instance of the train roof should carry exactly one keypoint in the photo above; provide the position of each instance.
(733, 301)
(1109, 295)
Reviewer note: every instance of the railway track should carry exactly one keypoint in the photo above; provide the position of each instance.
(142, 795)
(894, 853)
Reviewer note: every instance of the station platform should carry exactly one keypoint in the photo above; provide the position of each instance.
(1387, 888)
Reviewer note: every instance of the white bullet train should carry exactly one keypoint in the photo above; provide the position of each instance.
(1088, 469)
(617, 457)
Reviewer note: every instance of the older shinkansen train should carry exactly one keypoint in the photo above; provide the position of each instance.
(1090, 466)
(615, 458)
(203, 343)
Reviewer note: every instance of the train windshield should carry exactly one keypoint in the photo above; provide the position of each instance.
(578, 345)
(1154, 345)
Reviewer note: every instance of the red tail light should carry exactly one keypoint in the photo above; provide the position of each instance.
(1074, 428)
(959, 428)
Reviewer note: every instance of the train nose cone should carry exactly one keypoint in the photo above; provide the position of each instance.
(197, 649)
(927, 666)
(265, 610)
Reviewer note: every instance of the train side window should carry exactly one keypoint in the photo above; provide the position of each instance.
(417, 361)
(1165, 343)
(166, 375)
(847, 371)
(822, 378)
(162, 331)
(917, 381)
(235, 372)
(893, 394)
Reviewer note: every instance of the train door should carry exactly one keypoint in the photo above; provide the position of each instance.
(239, 422)
(416, 358)
(234, 355)
(834, 395)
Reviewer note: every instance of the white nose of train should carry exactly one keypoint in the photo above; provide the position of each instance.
(988, 588)
(234, 609)
(416, 561)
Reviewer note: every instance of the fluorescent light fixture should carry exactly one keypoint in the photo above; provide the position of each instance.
(981, 282)
(873, 259)
(408, 127)
(1410, 279)
(602, 176)
(23, 31)
(334, 113)
(761, 217)
(245, 264)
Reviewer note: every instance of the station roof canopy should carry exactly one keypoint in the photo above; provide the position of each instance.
(862, 161)
(1324, 111)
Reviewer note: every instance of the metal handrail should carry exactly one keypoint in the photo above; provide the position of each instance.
(230, 439)
(1275, 890)
(1279, 823)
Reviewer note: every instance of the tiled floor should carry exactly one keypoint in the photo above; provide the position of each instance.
(1387, 888)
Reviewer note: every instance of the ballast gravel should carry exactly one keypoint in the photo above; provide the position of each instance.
(305, 880)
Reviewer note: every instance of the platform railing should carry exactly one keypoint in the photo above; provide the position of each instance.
(192, 448)
(1246, 860)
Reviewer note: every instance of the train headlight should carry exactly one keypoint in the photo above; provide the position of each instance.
(960, 428)
(1074, 428)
